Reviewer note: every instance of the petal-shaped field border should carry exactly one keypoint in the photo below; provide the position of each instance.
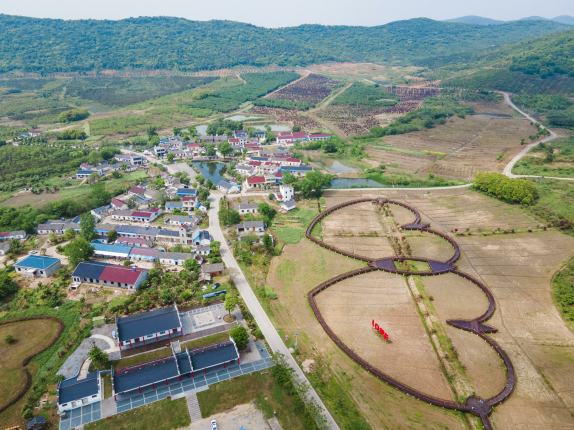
(474, 405)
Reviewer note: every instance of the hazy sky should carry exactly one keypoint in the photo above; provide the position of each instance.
(283, 13)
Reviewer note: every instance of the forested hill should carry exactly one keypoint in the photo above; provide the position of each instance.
(48, 46)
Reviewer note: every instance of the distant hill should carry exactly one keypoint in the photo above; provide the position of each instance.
(564, 19)
(473, 19)
(479, 20)
(48, 45)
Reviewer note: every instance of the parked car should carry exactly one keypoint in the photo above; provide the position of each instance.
(215, 286)
(204, 288)
(213, 425)
(114, 334)
(32, 252)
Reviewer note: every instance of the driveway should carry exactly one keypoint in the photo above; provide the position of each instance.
(271, 335)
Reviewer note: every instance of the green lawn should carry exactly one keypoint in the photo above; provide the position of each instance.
(556, 201)
(290, 234)
(138, 175)
(535, 163)
(161, 415)
(262, 388)
(405, 151)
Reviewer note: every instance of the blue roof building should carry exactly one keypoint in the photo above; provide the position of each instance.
(186, 192)
(36, 265)
(117, 251)
(164, 370)
(75, 392)
(148, 327)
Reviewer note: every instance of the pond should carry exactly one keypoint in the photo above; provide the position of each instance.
(211, 170)
(338, 167)
(355, 183)
(241, 118)
(274, 127)
(493, 115)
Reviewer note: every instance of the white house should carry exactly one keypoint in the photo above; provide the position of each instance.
(247, 208)
(286, 193)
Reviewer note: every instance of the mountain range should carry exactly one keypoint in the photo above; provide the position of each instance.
(50, 45)
(479, 20)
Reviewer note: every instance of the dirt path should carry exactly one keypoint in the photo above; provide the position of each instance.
(328, 124)
(241, 79)
(245, 416)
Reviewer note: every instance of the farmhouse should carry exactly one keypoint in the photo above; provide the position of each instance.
(289, 205)
(111, 275)
(75, 392)
(166, 370)
(174, 258)
(255, 182)
(9, 235)
(180, 220)
(319, 136)
(202, 250)
(130, 241)
(118, 204)
(201, 237)
(136, 216)
(148, 327)
(100, 212)
(297, 170)
(247, 208)
(285, 193)
(143, 254)
(228, 187)
(171, 206)
(215, 269)
(35, 265)
(5, 247)
(189, 203)
(85, 174)
(136, 191)
(111, 251)
(251, 227)
(186, 192)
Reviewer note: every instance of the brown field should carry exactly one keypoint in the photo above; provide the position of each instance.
(299, 269)
(30, 336)
(516, 267)
(427, 245)
(32, 199)
(347, 229)
(472, 145)
(349, 307)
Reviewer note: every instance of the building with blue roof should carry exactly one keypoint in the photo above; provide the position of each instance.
(186, 192)
(111, 251)
(171, 369)
(297, 170)
(76, 392)
(37, 265)
(148, 327)
(84, 174)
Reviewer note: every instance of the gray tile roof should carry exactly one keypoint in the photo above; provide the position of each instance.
(147, 323)
(175, 255)
(72, 389)
(252, 224)
(243, 206)
(211, 268)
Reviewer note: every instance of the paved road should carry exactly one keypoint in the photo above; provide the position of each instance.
(271, 335)
(508, 168)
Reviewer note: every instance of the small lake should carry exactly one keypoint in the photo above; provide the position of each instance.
(493, 115)
(358, 183)
(274, 127)
(241, 118)
(338, 167)
(211, 170)
(201, 129)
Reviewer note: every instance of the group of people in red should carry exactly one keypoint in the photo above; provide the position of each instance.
(381, 331)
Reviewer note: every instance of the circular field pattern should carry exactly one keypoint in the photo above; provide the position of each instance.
(474, 405)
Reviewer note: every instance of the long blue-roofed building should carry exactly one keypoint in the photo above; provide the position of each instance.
(79, 391)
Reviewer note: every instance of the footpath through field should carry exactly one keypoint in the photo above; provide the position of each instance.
(271, 335)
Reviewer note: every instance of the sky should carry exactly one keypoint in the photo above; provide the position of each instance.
(285, 13)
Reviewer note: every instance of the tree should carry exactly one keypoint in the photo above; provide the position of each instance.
(124, 166)
(190, 264)
(151, 131)
(267, 241)
(99, 195)
(266, 210)
(240, 335)
(200, 179)
(210, 150)
(170, 157)
(549, 158)
(87, 225)
(93, 178)
(289, 178)
(7, 285)
(9, 339)
(78, 250)
(127, 262)
(313, 182)
(99, 358)
(296, 128)
(225, 148)
(230, 303)
(176, 131)
(116, 174)
(112, 236)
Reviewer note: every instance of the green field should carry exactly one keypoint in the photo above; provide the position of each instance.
(536, 162)
(127, 178)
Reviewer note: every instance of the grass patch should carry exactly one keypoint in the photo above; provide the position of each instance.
(561, 166)
(563, 290)
(404, 151)
(269, 397)
(555, 205)
(291, 235)
(127, 178)
(161, 415)
(107, 380)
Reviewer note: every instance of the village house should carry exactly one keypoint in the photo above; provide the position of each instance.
(99, 213)
(289, 205)
(118, 204)
(77, 392)
(251, 227)
(228, 187)
(148, 327)
(246, 208)
(85, 174)
(174, 258)
(286, 193)
(109, 275)
(143, 254)
(189, 203)
(215, 269)
(36, 265)
(171, 206)
(9, 235)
